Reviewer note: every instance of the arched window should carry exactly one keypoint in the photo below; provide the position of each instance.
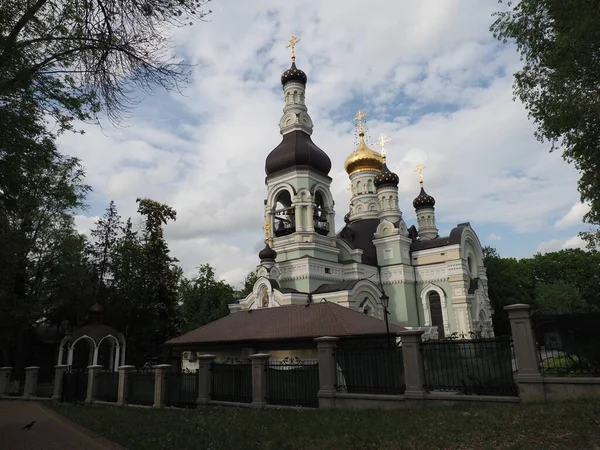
(359, 187)
(284, 217)
(370, 186)
(437, 318)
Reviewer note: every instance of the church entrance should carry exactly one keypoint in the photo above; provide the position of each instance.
(437, 319)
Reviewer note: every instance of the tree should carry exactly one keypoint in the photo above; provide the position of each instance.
(559, 298)
(559, 42)
(249, 283)
(75, 58)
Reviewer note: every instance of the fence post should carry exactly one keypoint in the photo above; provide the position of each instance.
(4, 379)
(327, 371)
(92, 382)
(31, 378)
(528, 377)
(259, 379)
(414, 377)
(124, 372)
(204, 378)
(160, 384)
(59, 377)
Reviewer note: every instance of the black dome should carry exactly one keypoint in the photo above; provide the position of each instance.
(267, 254)
(386, 178)
(297, 150)
(293, 74)
(423, 200)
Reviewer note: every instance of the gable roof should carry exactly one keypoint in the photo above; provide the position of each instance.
(287, 323)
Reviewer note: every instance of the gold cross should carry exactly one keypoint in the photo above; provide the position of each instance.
(383, 139)
(293, 41)
(267, 228)
(360, 122)
(419, 169)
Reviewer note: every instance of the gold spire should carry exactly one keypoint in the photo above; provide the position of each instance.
(267, 228)
(293, 41)
(419, 169)
(381, 141)
(362, 158)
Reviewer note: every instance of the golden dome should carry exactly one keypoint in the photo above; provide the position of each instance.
(363, 158)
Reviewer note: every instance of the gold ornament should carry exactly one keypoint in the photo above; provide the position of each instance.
(293, 41)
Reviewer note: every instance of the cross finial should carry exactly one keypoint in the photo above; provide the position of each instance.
(267, 228)
(419, 169)
(293, 41)
(360, 121)
(381, 141)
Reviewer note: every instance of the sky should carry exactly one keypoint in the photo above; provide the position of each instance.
(429, 75)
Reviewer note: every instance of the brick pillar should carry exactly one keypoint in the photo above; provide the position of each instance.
(413, 364)
(259, 379)
(59, 376)
(31, 378)
(124, 372)
(528, 377)
(160, 384)
(204, 378)
(4, 379)
(327, 371)
(92, 384)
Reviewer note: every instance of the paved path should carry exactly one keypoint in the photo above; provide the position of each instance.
(51, 431)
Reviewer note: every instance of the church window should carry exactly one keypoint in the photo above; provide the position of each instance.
(284, 217)
(435, 307)
(370, 186)
(359, 187)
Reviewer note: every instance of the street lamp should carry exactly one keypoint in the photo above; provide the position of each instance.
(385, 302)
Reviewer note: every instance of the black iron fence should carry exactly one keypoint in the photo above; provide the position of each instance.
(107, 387)
(469, 366)
(16, 384)
(181, 389)
(140, 387)
(569, 344)
(374, 370)
(292, 382)
(75, 382)
(232, 381)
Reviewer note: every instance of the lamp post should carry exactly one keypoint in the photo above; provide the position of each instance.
(385, 302)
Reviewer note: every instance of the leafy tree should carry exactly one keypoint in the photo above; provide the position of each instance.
(559, 298)
(559, 43)
(249, 283)
(75, 58)
(203, 298)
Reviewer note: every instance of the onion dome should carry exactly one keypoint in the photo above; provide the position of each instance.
(386, 178)
(297, 150)
(363, 158)
(267, 254)
(96, 308)
(293, 74)
(423, 200)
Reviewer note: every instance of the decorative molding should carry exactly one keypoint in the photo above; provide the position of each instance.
(427, 306)
(397, 274)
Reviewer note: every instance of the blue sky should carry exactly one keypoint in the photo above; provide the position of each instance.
(429, 75)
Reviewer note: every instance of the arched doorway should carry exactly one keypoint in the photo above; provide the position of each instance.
(437, 316)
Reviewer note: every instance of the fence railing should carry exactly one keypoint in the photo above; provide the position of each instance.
(475, 366)
(107, 386)
(181, 389)
(369, 370)
(232, 381)
(140, 387)
(568, 345)
(16, 384)
(292, 382)
(74, 389)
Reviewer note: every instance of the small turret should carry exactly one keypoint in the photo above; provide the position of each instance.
(424, 205)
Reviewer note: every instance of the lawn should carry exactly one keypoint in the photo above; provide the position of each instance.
(545, 426)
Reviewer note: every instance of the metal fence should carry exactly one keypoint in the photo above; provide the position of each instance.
(569, 344)
(469, 366)
(107, 386)
(292, 382)
(181, 389)
(16, 384)
(373, 370)
(232, 381)
(75, 382)
(140, 387)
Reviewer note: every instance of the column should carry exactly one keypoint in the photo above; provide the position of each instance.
(61, 352)
(413, 364)
(327, 371)
(259, 379)
(4, 379)
(92, 385)
(160, 384)
(111, 358)
(331, 222)
(124, 372)
(117, 361)
(31, 378)
(95, 356)
(528, 377)
(70, 355)
(298, 217)
(204, 378)
(59, 376)
(310, 225)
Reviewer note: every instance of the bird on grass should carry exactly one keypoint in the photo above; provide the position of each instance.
(28, 426)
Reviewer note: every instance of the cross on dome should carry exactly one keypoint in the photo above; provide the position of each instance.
(292, 44)
(419, 169)
(381, 141)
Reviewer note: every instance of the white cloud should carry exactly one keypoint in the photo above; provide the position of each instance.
(556, 245)
(428, 73)
(494, 237)
(573, 217)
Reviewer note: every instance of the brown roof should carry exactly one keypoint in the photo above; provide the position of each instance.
(287, 322)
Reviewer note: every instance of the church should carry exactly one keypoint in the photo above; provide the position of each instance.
(376, 264)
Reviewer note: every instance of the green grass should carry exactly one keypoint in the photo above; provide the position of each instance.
(546, 426)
